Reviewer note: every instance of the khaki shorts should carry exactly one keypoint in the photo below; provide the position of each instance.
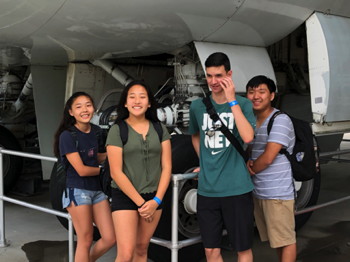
(275, 221)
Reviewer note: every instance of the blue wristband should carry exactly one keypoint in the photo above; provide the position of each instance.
(157, 200)
(233, 103)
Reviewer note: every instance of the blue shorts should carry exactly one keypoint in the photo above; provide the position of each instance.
(81, 197)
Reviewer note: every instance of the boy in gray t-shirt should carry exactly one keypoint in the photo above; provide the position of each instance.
(271, 172)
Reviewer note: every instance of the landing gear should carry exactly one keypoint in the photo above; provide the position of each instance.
(307, 192)
(184, 160)
(307, 195)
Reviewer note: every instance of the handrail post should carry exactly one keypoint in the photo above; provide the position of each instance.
(174, 221)
(70, 240)
(3, 242)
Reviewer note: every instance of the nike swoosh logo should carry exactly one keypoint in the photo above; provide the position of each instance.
(216, 152)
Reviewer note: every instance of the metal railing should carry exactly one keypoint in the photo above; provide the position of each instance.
(3, 242)
(174, 244)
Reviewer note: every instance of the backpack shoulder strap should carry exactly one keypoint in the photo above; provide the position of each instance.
(64, 161)
(269, 127)
(101, 137)
(124, 135)
(96, 129)
(272, 119)
(74, 134)
(158, 127)
(224, 129)
(123, 129)
(210, 108)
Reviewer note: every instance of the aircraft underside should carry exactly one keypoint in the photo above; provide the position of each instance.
(50, 49)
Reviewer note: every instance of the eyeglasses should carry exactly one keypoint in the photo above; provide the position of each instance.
(211, 132)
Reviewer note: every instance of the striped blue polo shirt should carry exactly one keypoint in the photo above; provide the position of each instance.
(274, 182)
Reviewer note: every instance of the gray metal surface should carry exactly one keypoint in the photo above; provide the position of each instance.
(85, 29)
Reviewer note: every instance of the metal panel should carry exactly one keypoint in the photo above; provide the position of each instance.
(49, 87)
(87, 29)
(329, 62)
(246, 61)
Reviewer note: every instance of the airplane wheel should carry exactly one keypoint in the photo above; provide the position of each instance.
(307, 192)
(57, 186)
(184, 160)
(12, 165)
(307, 195)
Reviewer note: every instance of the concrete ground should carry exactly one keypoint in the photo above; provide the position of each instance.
(36, 236)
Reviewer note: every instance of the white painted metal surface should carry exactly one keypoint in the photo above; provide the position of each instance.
(57, 31)
(246, 61)
(329, 64)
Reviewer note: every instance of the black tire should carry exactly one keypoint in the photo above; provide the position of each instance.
(184, 158)
(307, 196)
(12, 165)
(307, 193)
(57, 186)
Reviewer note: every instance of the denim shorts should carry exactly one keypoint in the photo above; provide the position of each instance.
(81, 197)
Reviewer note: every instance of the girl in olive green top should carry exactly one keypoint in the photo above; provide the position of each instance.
(141, 172)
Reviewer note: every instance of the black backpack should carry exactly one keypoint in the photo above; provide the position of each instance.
(303, 158)
(105, 175)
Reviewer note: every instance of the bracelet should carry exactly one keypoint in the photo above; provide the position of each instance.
(142, 204)
(157, 200)
(233, 103)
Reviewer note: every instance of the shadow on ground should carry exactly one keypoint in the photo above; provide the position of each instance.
(46, 251)
(332, 248)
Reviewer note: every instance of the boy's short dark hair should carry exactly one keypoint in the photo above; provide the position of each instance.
(261, 79)
(218, 59)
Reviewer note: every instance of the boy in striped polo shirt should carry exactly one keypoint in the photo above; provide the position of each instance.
(271, 172)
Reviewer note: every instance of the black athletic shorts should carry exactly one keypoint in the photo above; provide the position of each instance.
(120, 201)
(233, 213)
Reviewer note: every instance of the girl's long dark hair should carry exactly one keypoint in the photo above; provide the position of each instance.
(67, 120)
(123, 113)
